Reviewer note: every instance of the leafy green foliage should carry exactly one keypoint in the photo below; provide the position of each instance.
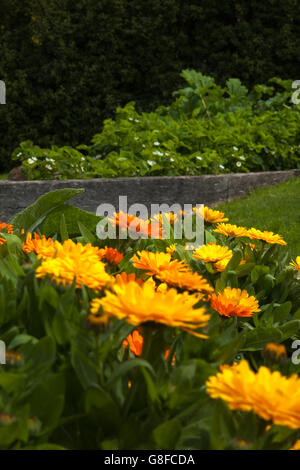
(207, 129)
(119, 49)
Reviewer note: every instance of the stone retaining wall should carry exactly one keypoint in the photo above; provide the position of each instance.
(204, 189)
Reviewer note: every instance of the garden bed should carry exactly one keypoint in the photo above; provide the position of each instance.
(206, 189)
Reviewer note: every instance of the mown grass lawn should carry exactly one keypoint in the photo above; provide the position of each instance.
(276, 209)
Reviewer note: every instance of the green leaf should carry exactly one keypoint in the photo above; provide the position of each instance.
(289, 329)
(282, 312)
(167, 434)
(31, 217)
(125, 367)
(85, 369)
(259, 271)
(47, 401)
(63, 229)
(256, 339)
(100, 405)
(72, 216)
(86, 233)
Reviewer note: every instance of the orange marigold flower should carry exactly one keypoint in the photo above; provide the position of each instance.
(124, 278)
(296, 264)
(112, 255)
(231, 230)
(167, 353)
(270, 395)
(211, 216)
(139, 304)
(265, 236)
(156, 262)
(130, 222)
(185, 280)
(135, 343)
(275, 351)
(234, 303)
(6, 227)
(213, 253)
(2, 241)
(43, 247)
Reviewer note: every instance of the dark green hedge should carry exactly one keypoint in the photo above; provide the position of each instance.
(67, 65)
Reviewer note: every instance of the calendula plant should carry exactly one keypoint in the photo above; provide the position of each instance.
(143, 344)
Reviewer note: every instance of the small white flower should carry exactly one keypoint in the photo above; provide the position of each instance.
(222, 167)
(49, 167)
(151, 162)
(144, 146)
(238, 164)
(198, 157)
(31, 160)
(20, 153)
(172, 160)
(242, 157)
(50, 160)
(235, 148)
(130, 119)
(157, 152)
(157, 144)
(136, 120)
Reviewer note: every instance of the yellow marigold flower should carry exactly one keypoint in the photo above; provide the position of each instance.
(163, 287)
(2, 241)
(270, 395)
(211, 216)
(70, 248)
(171, 249)
(154, 263)
(185, 280)
(171, 217)
(234, 303)
(213, 253)
(296, 446)
(43, 247)
(219, 266)
(112, 255)
(64, 269)
(140, 304)
(296, 264)
(275, 351)
(231, 230)
(265, 236)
